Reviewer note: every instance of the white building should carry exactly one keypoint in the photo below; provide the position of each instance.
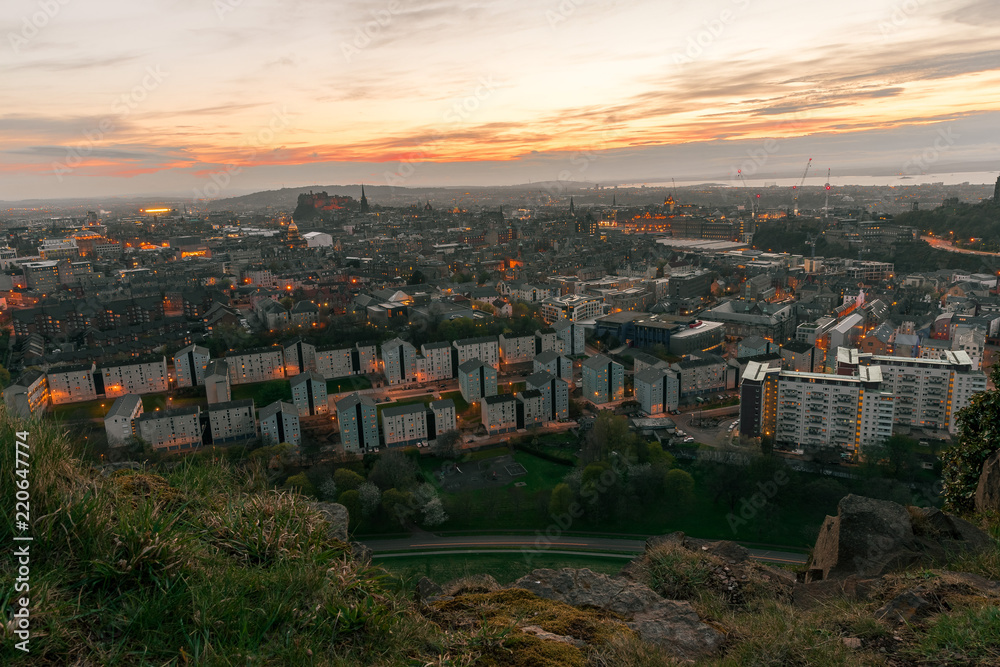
(217, 385)
(399, 360)
(517, 349)
(279, 422)
(434, 362)
(72, 384)
(476, 380)
(555, 394)
(404, 425)
(657, 390)
(318, 239)
(138, 377)
(336, 362)
(309, 394)
(256, 365)
(572, 336)
(484, 348)
(232, 421)
(358, 419)
(442, 417)
(171, 430)
(603, 380)
(533, 408)
(120, 422)
(552, 362)
(499, 413)
(572, 307)
(189, 365)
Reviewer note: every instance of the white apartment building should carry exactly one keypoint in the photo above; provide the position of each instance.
(217, 385)
(476, 380)
(336, 362)
(231, 421)
(279, 422)
(442, 417)
(309, 394)
(517, 349)
(603, 380)
(120, 422)
(256, 365)
(572, 307)
(171, 430)
(499, 413)
(484, 348)
(555, 394)
(657, 390)
(404, 425)
(434, 362)
(553, 362)
(399, 360)
(358, 419)
(138, 377)
(189, 365)
(71, 384)
(572, 336)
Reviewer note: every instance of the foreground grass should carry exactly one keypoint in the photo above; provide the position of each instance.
(505, 568)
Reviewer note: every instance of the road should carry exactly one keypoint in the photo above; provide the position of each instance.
(426, 545)
(941, 244)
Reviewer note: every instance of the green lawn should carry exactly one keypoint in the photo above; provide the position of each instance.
(345, 384)
(95, 409)
(502, 567)
(461, 405)
(263, 393)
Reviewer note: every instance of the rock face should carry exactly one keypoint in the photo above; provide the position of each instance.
(988, 491)
(870, 537)
(668, 623)
(337, 516)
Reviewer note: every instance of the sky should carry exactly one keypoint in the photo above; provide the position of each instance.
(214, 98)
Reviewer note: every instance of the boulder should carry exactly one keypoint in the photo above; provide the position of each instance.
(668, 623)
(336, 516)
(871, 537)
(988, 491)
(361, 553)
(905, 607)
(427, 588)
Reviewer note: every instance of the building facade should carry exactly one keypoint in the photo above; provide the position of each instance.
(603, 380)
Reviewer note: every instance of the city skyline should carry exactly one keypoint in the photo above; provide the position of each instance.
(164, 96)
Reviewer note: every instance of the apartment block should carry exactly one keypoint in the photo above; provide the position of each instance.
(232, 421)
(71, 384)
(704, 374)
(28, 394)
(555, 394)
(499, 413)
(532, 408)
(553, 362)
(399, 360)
(404, 425)
(217, 386)
(572, 336)
(517, 349)
(484, 348)
(657, 390)
(603, 380)
(816, 409)
(336, 362)
(309, 394)
(547, 340)
(929, 392)
(120, 423)
(171, 430)
(442, 417)
(138, 377)
(572, 307)
(358, 419)
(256, 365)
(434, 362)
(299, 357)
(189, 365)
(279, 422)
(476, 380)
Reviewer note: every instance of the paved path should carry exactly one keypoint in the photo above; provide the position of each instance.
(475, 544)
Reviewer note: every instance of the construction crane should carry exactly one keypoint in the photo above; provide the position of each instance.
(795, 207)
(826, 206)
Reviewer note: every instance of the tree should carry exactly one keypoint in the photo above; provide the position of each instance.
(301, 484)
(416, 278)
(678, 485)
(562, 497)
(978, 438)
(398, 504)
(4, 377)
(347, 480)
(394, 471)
(434, 514)
(328, 489)
(448, 444)
(370, 498)
(352, 501)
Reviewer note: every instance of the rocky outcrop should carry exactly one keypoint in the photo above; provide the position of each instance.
(988, 491)
(871, 537)
(668, 623)
(336, 516)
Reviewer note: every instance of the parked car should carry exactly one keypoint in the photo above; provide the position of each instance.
(689, 439)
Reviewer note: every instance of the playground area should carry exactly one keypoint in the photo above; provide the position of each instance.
(493, 472)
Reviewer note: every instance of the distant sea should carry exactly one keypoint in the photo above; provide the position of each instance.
(813, 180)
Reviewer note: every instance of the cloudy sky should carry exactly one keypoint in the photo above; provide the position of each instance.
(221, 97)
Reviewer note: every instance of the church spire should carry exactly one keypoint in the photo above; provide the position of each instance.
(571, 209)
(364, 200)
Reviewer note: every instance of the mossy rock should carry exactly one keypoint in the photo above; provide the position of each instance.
(135, 485)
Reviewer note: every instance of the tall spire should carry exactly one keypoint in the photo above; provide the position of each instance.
(571, 209)
(364, 200)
